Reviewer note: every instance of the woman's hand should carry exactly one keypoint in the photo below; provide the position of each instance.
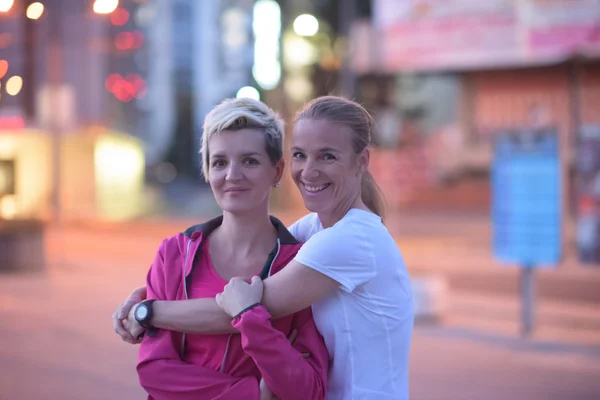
(132, 326)
(238, 295)
(120, 316)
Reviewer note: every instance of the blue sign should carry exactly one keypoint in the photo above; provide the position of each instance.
(526, 200)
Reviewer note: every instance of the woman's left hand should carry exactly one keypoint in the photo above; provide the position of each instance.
(238, 294)
(132, 326)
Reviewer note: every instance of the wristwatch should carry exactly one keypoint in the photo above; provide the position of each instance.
(143, 313)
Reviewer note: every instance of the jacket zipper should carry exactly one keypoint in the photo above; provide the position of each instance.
(274, 258)
(187, 253)
(222, 369)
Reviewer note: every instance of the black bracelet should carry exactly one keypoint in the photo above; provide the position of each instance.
(246, 309)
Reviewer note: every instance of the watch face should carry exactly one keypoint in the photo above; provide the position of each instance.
(141, 312)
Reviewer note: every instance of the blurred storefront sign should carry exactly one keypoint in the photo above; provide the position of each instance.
(588, 188)
(463, 34)
(557, 29)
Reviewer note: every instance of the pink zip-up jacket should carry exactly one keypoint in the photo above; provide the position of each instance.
(177, 366)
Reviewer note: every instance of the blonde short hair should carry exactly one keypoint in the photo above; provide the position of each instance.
(243, 113)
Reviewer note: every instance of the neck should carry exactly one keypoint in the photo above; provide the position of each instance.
(245, 233)
(330, 218)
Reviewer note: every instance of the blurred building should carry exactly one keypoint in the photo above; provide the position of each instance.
(69, 108)
(447, 77)
(92, 47)
(201, 53)
(461, 71)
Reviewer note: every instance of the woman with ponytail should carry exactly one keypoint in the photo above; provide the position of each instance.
(349, 269)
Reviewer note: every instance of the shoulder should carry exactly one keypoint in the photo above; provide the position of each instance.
(357, 225)
(308, 219)
(344, 252)
(354, 237)
(176, 241)
(305, 227)
(171, 249)
(338, 242)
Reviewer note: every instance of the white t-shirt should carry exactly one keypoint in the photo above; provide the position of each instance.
(367, 322)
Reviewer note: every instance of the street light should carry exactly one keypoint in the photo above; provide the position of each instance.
(306, 25)
(105, 6)
(6, 5)
(35, 10)
(14, 85)
(248, 92)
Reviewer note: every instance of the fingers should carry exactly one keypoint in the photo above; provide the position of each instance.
(125, 308)
(121, 331)
(255, 280)
(136, 333)
(134, 330)
(137, 296)
(218, 298)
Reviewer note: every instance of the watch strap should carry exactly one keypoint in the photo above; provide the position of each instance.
(145, 323)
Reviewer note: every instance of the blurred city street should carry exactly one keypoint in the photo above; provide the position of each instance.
(484, 141)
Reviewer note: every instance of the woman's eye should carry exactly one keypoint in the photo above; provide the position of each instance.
(298, 155)
(328, 157)
(251, 161)
(218, 163)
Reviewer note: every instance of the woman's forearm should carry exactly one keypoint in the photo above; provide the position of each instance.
(196, 316)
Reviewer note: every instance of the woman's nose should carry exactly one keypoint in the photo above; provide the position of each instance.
(234, 172)
(310, 170)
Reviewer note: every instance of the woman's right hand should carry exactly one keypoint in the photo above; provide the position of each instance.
(137, 296)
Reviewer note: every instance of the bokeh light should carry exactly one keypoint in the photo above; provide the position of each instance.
(6, 5)
(248, 92)
(306, 25)
(105, 6)
(3, 68)
(119, 17)
(14, 85)
(35, 10)
(124, 41)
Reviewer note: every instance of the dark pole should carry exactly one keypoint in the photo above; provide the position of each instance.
(29, 70)
(347, 10)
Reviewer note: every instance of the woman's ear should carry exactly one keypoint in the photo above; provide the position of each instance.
(279, 168)
(363, 160)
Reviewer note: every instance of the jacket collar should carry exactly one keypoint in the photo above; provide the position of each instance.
(206, 228)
